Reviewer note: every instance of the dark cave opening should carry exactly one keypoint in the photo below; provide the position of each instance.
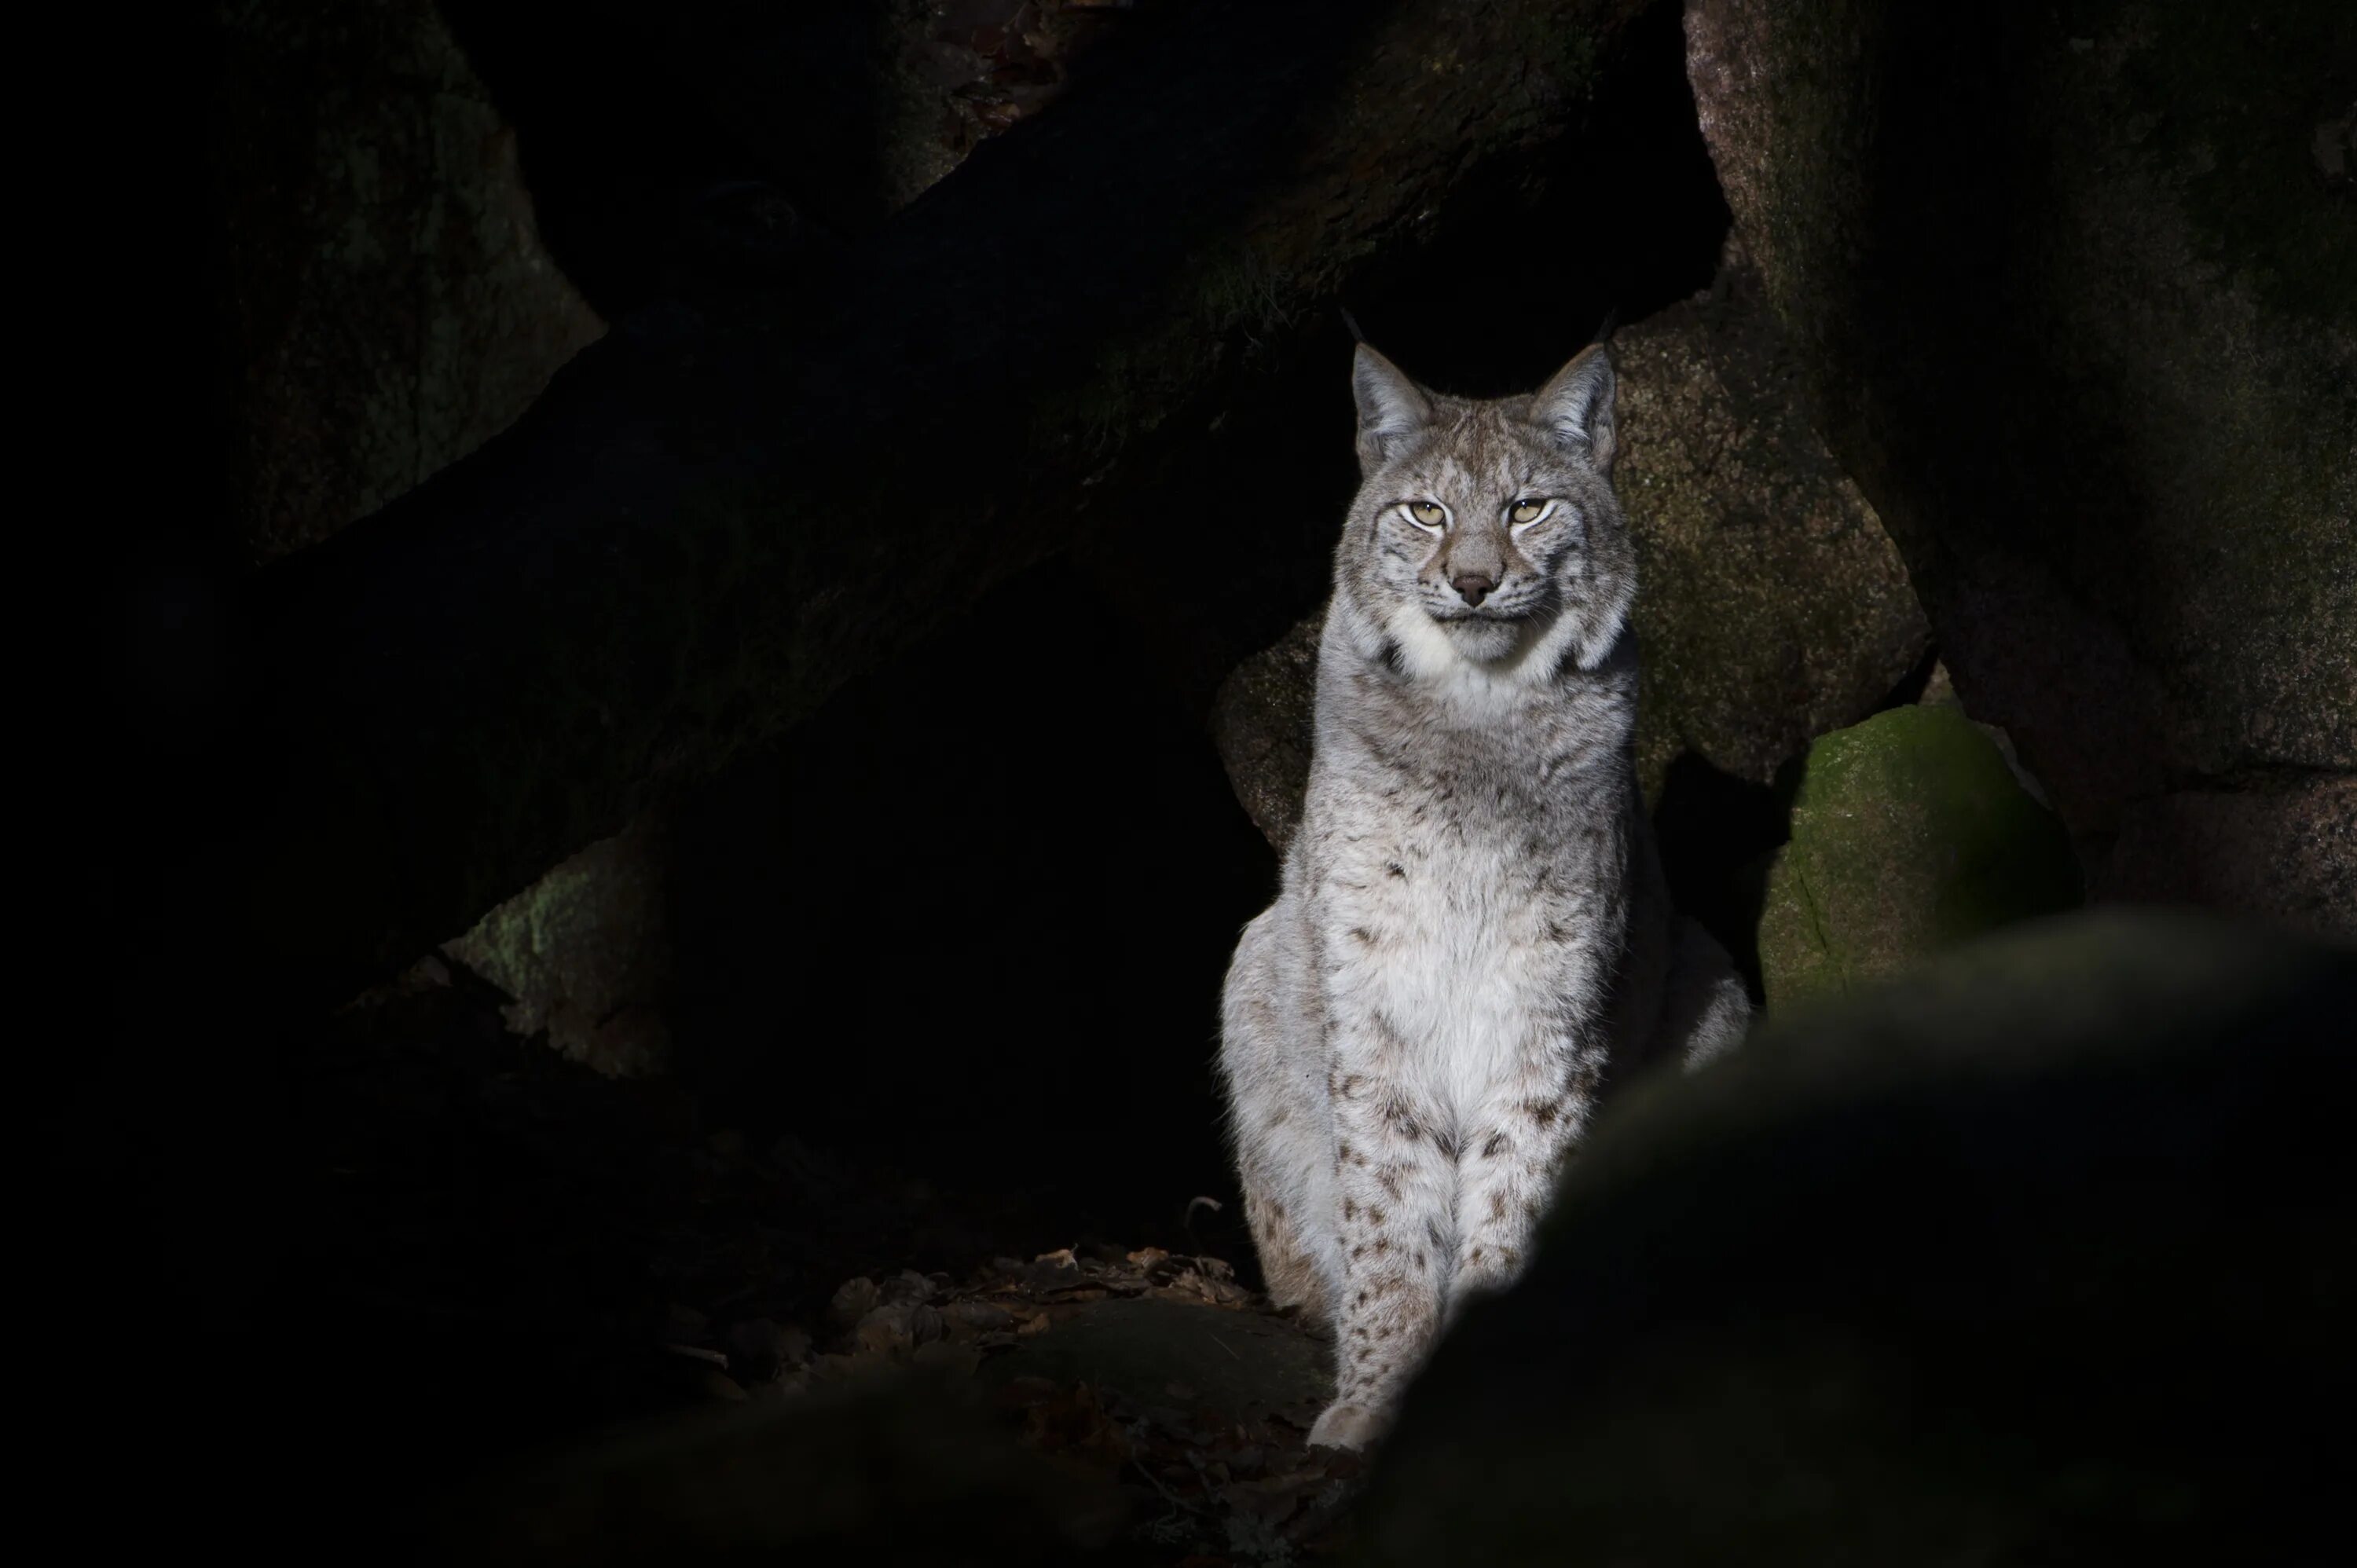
(970, 919)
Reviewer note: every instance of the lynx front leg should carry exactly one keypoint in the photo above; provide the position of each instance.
(1284, 1161)
(1394, 1179)
(1271, 1054)
(1514, 1148)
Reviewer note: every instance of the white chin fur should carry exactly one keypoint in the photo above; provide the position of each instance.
(1477, 653)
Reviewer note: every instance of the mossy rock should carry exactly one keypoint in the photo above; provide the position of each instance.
(1910, 833)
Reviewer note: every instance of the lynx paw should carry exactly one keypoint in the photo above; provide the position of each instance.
(1345, 1426)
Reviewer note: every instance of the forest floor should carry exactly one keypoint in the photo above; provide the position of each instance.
(1159, 1372)
(534, 1253)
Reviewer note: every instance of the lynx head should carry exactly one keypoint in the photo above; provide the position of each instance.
(1486, 533)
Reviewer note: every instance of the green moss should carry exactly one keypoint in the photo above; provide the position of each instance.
(1910, 834)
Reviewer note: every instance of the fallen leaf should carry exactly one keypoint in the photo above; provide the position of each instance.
(854, 1299)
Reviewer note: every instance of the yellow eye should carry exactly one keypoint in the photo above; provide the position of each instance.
(1528, 511)
(1427, 513)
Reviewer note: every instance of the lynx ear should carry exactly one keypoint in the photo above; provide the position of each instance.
(1391, 406)
(1577, 404)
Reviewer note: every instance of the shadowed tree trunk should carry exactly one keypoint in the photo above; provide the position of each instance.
(712, 518)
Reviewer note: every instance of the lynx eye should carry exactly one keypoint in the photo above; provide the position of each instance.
(1426, 514)
(1528, 511)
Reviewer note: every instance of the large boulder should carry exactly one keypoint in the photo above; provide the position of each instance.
(2075, 292)
(1910, 833)
(1771, 607)
(385, 305)
(2287, 846)
(2038, 1254)
(1263, 721)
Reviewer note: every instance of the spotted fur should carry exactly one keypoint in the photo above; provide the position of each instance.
(1471, 939)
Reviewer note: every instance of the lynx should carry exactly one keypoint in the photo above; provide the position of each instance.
(1472, 938)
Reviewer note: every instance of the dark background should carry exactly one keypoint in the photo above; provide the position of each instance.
(947, 955)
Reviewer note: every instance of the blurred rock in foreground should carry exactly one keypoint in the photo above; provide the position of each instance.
(888, 1470)
(2038, 1254)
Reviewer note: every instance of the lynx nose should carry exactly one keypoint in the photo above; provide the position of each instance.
(1474, 587)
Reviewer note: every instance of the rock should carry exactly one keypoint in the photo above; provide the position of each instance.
(908, 1285)
(954, 1360)
(1939, 687)
(876, 1470)
(586, 953)
(386, 305)
(761, 1349)
(2283, 848)
(2038, 1252)
(1263, 721)
(966, 72)
(1771, 607)
(887, 1331)
(2075, 300)
(854, 1299)
(978, 1316)
(1910, 833)
(925, 1324)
